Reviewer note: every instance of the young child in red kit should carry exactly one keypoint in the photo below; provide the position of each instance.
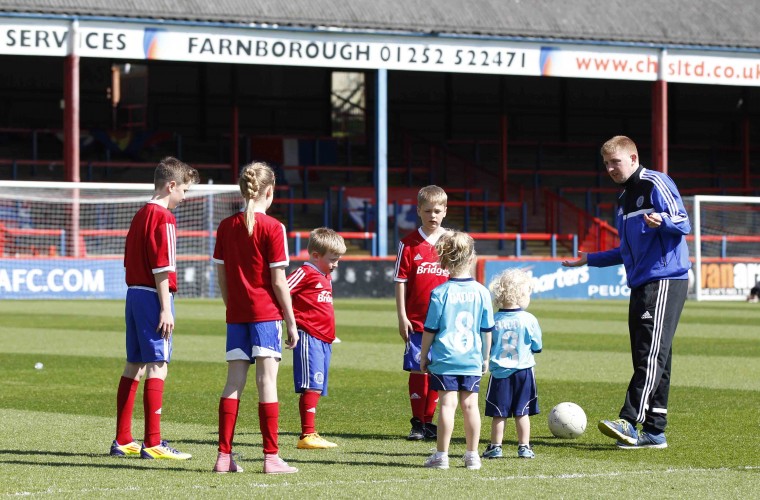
(311, 289)
(151, 276)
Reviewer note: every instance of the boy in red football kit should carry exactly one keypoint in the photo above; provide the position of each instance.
(311, 290)
(151, 276)
(417, 273)
(251, 255)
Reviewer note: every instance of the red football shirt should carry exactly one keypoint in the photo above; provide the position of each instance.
(151, 247)
(247, 262)
(311, 292)
(417, 266)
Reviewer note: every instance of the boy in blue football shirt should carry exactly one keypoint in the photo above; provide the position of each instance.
(512, 388)
(457, 334)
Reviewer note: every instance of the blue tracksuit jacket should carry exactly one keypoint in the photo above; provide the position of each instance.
(649, 254)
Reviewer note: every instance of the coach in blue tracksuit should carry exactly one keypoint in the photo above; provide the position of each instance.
(652, 224)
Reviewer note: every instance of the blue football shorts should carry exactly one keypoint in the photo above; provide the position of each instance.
(513, 396)
(311, 362)
(469, 383)
(141, 313)
(248, 341)
(413, 351)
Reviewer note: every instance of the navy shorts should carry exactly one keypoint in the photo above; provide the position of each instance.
(413, 351)
(247, 341)
(469, 383)
(513, 396)
(311, 362)
(141, 313)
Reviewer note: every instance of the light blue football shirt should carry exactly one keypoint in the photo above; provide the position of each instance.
(515, 338)
(460, 311)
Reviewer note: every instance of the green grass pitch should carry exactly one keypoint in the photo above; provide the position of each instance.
(56, 424)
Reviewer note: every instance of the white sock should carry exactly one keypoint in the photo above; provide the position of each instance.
(441, 454)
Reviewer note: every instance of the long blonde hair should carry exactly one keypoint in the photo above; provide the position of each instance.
(255, 178)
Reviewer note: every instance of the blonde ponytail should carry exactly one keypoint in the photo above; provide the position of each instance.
(255, 178)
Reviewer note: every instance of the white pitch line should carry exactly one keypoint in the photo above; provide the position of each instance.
(439, 479)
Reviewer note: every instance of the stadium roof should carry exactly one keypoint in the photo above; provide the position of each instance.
(708, 23)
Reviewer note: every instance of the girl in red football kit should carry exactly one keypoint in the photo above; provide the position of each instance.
(251, 255)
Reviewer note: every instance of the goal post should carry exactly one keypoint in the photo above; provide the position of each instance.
(66, 240)
(726, 245)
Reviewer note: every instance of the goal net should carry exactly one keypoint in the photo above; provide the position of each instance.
(725, 245)
(66, 240)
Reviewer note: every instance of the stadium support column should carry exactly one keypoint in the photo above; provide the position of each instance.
(235, 142)
(381, 161)
(235, 125)
(503, 156)
(71, 133)
(746, 138)
(660, 118)
(503, 132)
(71, 106)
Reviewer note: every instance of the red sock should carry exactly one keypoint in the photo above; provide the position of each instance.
(125, 402)
(418, 388)
(228, 412)
(307, 406)
(430, 404)
(269, 414)
(153, 394)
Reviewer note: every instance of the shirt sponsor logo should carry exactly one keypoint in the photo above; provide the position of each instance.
(325, 296)
(431, 268)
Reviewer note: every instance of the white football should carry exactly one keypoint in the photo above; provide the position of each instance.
(567, 420)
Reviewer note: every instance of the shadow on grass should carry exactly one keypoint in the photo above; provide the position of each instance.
(50, 453)
(569, 444)
(118, 463)
(203, 442)
(382, 437)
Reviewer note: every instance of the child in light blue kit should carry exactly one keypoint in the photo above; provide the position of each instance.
(512, 388)
(458, 336)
